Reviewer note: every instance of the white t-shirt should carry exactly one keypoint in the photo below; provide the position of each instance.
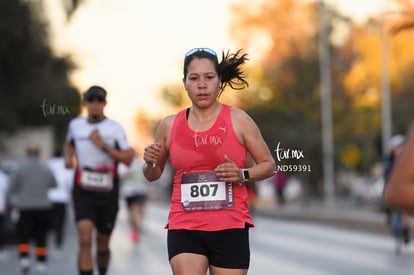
(64, 180)
(88, 154)
(133, 181)
(4, 186)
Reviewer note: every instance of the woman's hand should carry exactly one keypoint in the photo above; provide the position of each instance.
(151, 153)
(228, 171)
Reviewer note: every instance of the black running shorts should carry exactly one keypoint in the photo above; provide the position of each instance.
(137, 198)
(225, 248)
(101, 210)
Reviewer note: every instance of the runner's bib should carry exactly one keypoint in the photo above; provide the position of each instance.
(96, 180)
(204, 191)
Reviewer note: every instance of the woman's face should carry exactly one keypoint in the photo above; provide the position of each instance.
(202, 82)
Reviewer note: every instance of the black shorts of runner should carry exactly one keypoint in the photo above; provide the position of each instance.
(225, 248)
(101, 210)
(137, 198)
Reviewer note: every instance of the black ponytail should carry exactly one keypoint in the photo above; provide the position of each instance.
(229, 70)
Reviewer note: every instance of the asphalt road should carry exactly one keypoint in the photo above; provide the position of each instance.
(278, 246)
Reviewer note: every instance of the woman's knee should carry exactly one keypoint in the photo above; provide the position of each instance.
(85, 229)
(189, 264)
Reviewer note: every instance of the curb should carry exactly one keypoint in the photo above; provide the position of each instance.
(359, 218)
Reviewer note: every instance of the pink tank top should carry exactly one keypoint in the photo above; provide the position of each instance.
(192, 151)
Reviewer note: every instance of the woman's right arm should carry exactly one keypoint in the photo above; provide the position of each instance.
(156, 154)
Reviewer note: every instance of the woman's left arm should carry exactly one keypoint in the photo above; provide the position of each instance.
(250, 136)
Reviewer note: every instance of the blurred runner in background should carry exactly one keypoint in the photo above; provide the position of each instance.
(99, 144)
(134, 191)
(29, 189)
(4, 186)
(60, 197)
(280, 182)
(396, 145)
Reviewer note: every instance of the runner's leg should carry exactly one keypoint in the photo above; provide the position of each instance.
(214, 270)
(105, 224)
(103, 254)
(85, 262)
(141, 212)
(24, 228)
(60, 224)
(133, 212)
(405, 218)
(40, 236)
(189, 263)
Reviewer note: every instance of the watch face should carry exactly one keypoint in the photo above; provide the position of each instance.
(246, 174)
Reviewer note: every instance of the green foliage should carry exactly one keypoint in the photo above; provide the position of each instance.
(175, 95)
(30, 73)
(290, 70)
(292, 117)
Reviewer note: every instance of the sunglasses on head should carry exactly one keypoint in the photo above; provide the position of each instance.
(200, 50)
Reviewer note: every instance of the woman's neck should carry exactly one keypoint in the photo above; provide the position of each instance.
(206, 114)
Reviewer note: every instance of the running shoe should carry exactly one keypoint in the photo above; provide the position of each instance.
(134, 235)
(41, 268)
(24, 265)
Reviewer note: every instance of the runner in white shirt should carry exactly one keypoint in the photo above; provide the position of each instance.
(4, 186)
(99, 144)
(134, 191)
(60, 197)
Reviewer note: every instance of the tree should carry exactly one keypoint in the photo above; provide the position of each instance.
(289, 75)
(363, 79)
(403, 27)
(286, 101)
(34, 83)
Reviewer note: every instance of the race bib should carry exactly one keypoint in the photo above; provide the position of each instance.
(96, 180)
(204, 191)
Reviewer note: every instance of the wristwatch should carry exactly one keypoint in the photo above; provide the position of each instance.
(105, 148)
(245, 175)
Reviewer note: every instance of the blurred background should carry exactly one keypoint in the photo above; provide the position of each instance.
(332, 80)
(330, 83)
